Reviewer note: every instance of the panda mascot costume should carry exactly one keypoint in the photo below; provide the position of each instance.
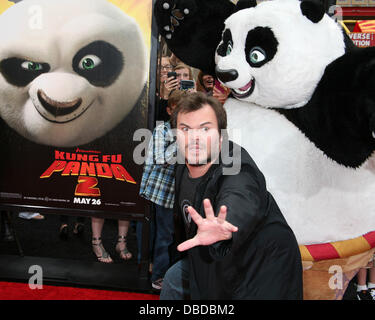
(303, 106)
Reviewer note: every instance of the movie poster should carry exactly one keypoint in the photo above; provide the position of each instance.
(74, 88)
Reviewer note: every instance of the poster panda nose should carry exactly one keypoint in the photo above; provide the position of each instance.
(226, 75)
(58, 108)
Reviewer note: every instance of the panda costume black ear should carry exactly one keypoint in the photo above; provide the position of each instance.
(312, 10)
(244, 4)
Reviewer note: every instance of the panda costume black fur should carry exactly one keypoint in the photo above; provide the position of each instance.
(302, 105)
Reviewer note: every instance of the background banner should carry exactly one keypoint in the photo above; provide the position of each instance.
(73, 90)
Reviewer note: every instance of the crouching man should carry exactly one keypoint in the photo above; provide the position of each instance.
(235, 240)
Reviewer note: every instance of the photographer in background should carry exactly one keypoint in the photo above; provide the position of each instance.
(185, 78)
(168, 83)
(183, 72)
(179, 79)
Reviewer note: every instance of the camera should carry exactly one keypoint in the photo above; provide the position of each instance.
(172, 74)
(186, 85)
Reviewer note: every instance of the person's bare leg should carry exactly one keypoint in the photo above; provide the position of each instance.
(97, 247)
(121, 248)
(372, 275)
(361, 276)
(371, 283)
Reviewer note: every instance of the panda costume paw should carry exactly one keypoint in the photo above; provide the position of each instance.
(171, 15)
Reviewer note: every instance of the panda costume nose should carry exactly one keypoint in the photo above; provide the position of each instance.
(226, 75)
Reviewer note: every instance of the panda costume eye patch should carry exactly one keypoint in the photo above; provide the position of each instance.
(261, 46)
(20, 72)
(99, 62)
(222, 49)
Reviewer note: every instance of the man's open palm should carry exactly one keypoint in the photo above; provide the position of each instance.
(210, 230)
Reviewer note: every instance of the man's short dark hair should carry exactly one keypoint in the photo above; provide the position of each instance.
(175, 96)
(195, 101)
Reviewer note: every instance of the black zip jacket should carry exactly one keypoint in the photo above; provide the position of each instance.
(262, 260)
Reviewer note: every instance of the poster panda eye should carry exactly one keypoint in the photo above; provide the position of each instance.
(32, 66)
(99, 62)
(20, 72)
(229, 48)
(257, 55)
(89, 62)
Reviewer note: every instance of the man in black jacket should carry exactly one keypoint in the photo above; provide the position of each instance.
(238, 244)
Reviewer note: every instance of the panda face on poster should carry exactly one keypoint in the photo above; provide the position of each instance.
(69, 70)
(276, 54)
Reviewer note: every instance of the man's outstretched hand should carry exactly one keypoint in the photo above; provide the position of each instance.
(210, 230)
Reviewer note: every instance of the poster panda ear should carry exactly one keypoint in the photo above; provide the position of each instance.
(244, 4)
(312, 10)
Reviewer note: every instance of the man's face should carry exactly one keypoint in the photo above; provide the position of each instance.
(198, 136)
(183, 74)
(208, 82)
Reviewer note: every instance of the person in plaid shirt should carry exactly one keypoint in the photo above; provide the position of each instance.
(157, 186)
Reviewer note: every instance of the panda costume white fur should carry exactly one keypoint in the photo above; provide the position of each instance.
(70, 70)
(303, 103)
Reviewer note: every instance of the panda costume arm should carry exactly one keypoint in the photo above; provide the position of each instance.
(345, 93)
(193, 28)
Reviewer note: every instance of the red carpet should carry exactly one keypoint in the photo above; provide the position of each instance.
(21, 291)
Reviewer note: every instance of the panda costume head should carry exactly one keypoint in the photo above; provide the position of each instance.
(69, 70)
(270, 52)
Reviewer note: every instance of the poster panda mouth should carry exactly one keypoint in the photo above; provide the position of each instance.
(245, 91)
(59, 112)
